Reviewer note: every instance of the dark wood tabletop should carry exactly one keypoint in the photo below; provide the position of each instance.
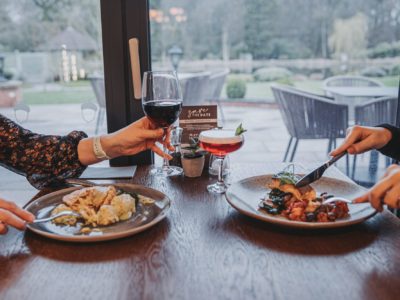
(204, 249)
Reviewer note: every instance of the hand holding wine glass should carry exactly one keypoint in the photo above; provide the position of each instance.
(162, 104)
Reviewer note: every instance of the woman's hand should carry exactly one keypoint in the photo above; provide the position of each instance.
(137, 137)
(386, 191)
(360, 139)
(12, 215)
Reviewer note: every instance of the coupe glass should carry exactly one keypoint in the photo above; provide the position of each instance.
(162, 104)
(220, 142)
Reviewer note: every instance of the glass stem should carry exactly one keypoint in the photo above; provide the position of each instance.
(165, 161)
(220, 169)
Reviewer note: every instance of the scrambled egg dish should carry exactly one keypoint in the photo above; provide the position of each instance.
(99, 205)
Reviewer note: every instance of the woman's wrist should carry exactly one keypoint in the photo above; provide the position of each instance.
(110, 145)
(86, 153)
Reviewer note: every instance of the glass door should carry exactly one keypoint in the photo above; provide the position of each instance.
(279, 67)
(51, 66)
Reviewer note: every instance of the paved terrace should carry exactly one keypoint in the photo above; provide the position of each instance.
(266, 139)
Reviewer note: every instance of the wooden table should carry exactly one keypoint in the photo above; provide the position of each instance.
(356, 95)
(206, 250)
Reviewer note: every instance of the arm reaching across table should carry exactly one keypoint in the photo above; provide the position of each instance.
(46, 160)
(386, 139)
(49, 159)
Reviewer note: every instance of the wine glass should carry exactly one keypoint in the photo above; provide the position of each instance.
(162, 104)
(220, 142)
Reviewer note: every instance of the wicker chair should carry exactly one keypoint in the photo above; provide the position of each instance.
(372, 113)
(346, 81)
(308, 116)
(195, 88)
(350, 81)
(97, 83)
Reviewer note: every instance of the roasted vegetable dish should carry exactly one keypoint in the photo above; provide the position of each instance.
(300, 204)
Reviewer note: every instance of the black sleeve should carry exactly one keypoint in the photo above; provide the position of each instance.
(44, 159)
(392, 148)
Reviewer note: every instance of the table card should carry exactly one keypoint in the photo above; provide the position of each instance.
(194, 119)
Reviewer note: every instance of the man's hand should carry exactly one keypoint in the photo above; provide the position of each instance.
(360, 139)
(386, 191)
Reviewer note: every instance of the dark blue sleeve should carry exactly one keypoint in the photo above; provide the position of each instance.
(392, 148)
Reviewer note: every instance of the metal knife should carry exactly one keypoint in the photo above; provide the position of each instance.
(317, 173)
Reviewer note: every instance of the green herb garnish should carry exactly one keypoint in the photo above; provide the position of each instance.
(240, 130)
(286, 178)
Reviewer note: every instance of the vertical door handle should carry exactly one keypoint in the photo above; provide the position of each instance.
(135, 68)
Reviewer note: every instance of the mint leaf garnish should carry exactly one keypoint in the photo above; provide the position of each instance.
(240, 130)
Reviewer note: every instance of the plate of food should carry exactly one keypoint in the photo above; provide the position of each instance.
(274, 198)
(105, 212)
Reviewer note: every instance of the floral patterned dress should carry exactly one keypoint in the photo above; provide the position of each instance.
(45, 160)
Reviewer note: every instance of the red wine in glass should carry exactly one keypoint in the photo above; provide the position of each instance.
(163, 113)
(162, 104)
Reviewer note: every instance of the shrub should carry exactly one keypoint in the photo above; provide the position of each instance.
(236, 88)
(373, 72)
(271, 74)
(8, 75)
(395, 71)
(286, 81)
(385, 50)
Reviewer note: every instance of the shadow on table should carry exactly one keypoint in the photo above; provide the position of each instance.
(303, 241)
(378, 285)
(98, 251)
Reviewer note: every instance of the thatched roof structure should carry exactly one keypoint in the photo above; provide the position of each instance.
(72, 39)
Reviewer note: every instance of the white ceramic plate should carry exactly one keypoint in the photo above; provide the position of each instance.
(246, 194)
(145, 217)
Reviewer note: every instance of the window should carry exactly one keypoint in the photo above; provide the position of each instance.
(53, 78)
(51, 66)
(298, 47)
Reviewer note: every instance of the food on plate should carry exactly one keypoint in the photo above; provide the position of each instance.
(99, 205)
(300, 204)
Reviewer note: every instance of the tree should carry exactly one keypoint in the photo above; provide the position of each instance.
(50, 7)
(259, 26)
(350, 35)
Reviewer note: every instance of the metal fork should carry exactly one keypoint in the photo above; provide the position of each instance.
(335, 199)
(60, 214)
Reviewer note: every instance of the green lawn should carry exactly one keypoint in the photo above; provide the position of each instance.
(57, 97)
(71, 92)
(80, 91)
(262, 90)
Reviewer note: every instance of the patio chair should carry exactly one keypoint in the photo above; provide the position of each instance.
(347, 81)
(21, 112)
(308, 116)
(374, 112)
(97, 83)
(195, 88)
(216, 83)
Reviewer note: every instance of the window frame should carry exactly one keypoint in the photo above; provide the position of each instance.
(122, 20)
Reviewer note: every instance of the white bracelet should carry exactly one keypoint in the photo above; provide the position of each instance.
(98, 149)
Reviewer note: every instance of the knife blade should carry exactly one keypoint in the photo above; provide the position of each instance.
(318, 172)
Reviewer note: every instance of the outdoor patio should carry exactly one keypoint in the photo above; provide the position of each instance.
(266, 139)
